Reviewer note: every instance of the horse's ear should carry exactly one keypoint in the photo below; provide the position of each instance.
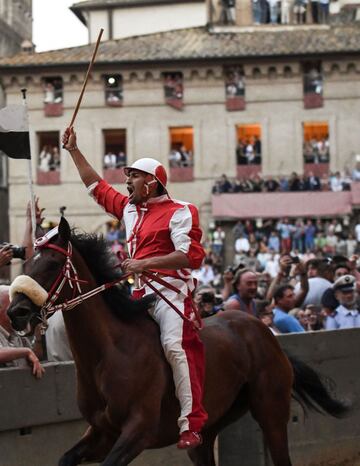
(64, 229)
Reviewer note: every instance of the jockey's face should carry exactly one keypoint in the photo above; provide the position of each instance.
(140, 186)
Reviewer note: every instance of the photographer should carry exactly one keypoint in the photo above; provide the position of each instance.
(9, 251)
(206, 301)
(6, 254)
(290, 267)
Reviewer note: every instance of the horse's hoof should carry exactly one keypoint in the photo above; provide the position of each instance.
(189, 439)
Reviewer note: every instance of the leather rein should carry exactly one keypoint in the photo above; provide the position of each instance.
(68, 274)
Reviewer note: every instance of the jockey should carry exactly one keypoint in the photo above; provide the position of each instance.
(163, 237)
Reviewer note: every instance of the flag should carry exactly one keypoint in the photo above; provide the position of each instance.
(14, 132)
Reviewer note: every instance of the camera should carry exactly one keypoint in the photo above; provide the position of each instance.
(295, 259)
(208, 297)
(19, 252)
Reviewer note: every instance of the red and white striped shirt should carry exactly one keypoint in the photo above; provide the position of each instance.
(155, 228)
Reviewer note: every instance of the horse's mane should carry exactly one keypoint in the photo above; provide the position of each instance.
(102, 264)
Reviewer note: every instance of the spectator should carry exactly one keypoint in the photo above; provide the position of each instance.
(350, 245)
(271, 185)
(310, 232)
(274, 12)
(205, 299)
(283, 184)
(245, 289)
(285, 11)
(14, 350)
(206, 275)
(110, 160)
(45, 158)
(324, 11)
(300, 11)
(284, 298)
(290, 266)
(113, 233)
(319, 272)
(225, 185)
(285, 230)
(355, 174)
(294, 182)
(265, 313)
(336, 182)
(242, 245)
(218, 239)
(6, 255)
(274, 242)
(272, 265)
(313, 182)
(312, 313)
(346, 315)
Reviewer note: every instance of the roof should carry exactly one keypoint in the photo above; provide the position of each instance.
(79, 7)
(200, 44)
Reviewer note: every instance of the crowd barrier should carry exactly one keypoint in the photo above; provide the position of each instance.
(39, 419)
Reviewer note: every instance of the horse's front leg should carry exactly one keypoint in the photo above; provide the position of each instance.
(93, 446)
(134, 438)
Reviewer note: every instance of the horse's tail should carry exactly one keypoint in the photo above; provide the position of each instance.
(310, 390)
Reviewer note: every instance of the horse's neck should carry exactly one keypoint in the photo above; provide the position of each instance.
(88, 324)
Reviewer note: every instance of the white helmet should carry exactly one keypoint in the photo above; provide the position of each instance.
(151, 166)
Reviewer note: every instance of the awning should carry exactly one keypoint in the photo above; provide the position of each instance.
(289, 204)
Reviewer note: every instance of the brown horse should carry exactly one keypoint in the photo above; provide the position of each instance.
(125, 386)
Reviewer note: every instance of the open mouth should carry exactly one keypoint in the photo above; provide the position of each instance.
(131, 192)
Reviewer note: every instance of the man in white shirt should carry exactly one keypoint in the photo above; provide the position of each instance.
(346, 315)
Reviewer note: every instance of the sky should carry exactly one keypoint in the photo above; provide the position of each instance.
(55, 26)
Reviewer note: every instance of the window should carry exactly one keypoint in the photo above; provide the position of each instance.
(49, 162)
(313, 85)
(115, 148)
(113, 90)
(53, 96)
(181, 155)
(114, 155)
(234, 88)
(3, 171)
(174, 89)
(248, 148)
(316, 148)
(181, 147)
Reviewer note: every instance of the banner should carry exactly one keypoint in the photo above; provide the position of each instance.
(14, 132)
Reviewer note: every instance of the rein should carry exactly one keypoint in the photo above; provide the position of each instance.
(68, 274)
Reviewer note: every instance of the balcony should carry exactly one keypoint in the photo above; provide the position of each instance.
(286, 204)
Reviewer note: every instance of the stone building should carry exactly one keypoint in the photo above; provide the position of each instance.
(15, 32)
(199, 94)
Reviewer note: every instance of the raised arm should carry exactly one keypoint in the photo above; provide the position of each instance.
(86, 172)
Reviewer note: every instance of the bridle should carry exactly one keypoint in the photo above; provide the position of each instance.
(68, 274)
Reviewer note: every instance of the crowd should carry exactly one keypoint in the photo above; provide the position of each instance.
(49, 158)
(294, 183)
(290, 11)
(180, 157)
(317, 151)
(248, 151)
(113, 160)
(294, 276)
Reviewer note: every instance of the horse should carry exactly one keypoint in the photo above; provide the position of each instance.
(125, 388)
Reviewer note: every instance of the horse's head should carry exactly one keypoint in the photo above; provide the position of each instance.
(29, 292)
